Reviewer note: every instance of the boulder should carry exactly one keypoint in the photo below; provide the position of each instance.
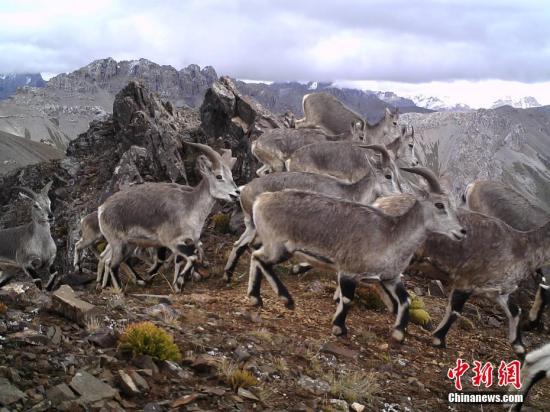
(238, 120)
(9, 394)
(66, 303)
(90, 388)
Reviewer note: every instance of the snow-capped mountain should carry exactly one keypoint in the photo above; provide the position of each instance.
(522, 103)
(393, 99)
(9, 82)
(437, 104)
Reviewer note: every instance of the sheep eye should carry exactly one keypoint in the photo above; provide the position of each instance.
(440, 205)
(411, 145)
(388, 177)
(219, 177)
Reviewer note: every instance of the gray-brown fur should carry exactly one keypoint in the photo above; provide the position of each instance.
(357, 241)
(324, 111)
(402, 148)
(31, 246)
(342, 160)
(498, 200)
(274, 147)
(158, 215)
(492, 260)
(364, 191)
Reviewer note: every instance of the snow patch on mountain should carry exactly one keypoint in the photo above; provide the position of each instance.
(521, 103)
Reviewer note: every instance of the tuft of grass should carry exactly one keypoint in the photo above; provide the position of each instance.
(416, 302)
(280, 364)
(369, 297)
(221, 223)
(236, 377)
(353, 386)
(3, 309)
(144, 338)
(262, 334)
(100, 247)
(92, 324)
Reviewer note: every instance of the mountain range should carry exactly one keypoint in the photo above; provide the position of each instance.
(9, 83)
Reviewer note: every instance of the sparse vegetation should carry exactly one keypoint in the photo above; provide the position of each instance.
(92, 324)
(221, 223)
(369, 298)
(236, 377)
(3, 309)
(353, 386)
(145, 338)
(418, 312)
(262, 334)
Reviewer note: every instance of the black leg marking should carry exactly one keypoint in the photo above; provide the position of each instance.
(347, 287)
(457, 301)
(232, 264)
(5, 278)
(255, 284)
(301, 268)
(542, 299)
(392, 299)
(278, 286)
(404, 302)
(35, 277)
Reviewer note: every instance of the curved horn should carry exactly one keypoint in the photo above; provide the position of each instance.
(28, 191)
(212, 155)
(433, 182)
(47, 188)
(380, 149)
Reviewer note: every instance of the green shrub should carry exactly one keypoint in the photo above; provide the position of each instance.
(144, 338)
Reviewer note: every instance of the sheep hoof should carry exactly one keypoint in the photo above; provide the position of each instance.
(519, 349)
(288, 302)
(256, 301)
(227, 276)
(439, 343)
(398, 335)
(339, 330)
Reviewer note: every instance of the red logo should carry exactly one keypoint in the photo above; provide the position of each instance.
(508, 373)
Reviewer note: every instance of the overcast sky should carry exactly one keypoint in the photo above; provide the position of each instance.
(469, 51)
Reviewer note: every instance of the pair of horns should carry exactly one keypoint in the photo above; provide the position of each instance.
(214, 156)
(32, 193)
(379, 149)
(433, 182)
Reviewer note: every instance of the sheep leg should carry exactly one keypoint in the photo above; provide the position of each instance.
(264, 259)
(399, 293)
(52, 281)
(117, 257)
(301, 268)
(264, 170)
(388, 298)
(513, 313)
(541, 300)
(254, 283)
(527, 382)
(5, 278)
(160, 258)
(29, 271)
(183, 252)
(238, 249)
(346, 287)
(457, 300)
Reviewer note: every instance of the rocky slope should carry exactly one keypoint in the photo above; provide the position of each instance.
(505, 144)
(16, 152)
(65, 107)
(10, 82)
(53, 357)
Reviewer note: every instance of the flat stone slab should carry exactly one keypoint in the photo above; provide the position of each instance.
(66, 303)
(90, 388)
(9, 394)
(335, 349)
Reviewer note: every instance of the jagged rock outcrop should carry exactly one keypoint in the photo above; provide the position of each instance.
(64, 108)
(141, 141)
(238, 120)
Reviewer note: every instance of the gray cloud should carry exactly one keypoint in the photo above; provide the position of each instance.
(288, 40)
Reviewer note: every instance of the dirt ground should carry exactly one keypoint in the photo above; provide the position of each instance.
(295, 362)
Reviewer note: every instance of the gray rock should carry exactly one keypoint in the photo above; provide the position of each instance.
(9, 394)
(241, 354)
(146, 362)
(140, 382)
(55, 334)
(90, 388)
(60, 393)
(127, 384)
(339, 405)
(152, 407)
(316, 386)
(66, 303)
(104, 338)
